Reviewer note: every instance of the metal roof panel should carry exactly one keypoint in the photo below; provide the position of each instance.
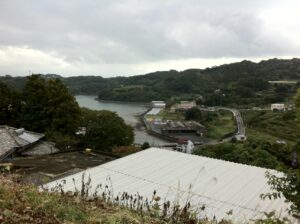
(219, 185)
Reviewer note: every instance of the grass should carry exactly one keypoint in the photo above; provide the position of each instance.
(222, 124)
(272, 125)
(165, 115)
(25, 204)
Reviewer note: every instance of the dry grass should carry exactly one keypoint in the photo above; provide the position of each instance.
(25, 204)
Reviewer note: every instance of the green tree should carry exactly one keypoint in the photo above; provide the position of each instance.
(9, 106)
(297, 104)
(194, 114)
(145, 145)
(49, 106)
(62, 110)
(105, 130)
(289, 184)
(34, 106)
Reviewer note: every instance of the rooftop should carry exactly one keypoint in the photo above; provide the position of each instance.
(215, 185)
(184, 125)
(12, 139)
(7, 142)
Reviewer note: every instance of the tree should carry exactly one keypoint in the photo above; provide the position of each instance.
(288, 185)
(62, 110)
(34, 106)
(9, 105)
(194, 114)
(49, 106)
(297, 104)
(105, 130)
(145, 145)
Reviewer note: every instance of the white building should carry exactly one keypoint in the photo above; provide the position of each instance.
(182, 106)
(278, 106)
(220, 187)
(158, 104)
(240, 138)
(185, 105)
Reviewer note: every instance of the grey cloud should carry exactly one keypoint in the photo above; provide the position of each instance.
(135, 31)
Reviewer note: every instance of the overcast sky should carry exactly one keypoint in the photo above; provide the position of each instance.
(131, 37)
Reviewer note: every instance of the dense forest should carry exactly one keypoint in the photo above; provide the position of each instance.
(47, 106)
(242, 83)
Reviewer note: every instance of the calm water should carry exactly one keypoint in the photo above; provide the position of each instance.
(125, 110)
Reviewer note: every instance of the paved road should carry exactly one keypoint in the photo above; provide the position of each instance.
(241, 129)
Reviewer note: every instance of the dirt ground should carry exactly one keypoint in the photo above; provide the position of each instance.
(42, 169)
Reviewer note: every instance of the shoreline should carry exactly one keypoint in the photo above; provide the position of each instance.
(123, 102)
(114, 101)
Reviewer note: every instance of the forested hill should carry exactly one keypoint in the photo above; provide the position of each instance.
(237, 83)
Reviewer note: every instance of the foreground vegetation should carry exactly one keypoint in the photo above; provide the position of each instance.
(26, 204)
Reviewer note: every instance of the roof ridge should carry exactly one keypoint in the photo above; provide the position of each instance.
(12, 136)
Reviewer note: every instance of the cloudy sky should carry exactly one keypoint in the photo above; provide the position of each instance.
(130, 37)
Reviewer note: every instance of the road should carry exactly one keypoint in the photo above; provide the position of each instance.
(241, 129)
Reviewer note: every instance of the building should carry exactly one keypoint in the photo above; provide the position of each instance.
(213, 187)
(183, 106)
(278, 107)
(154, 111)
(158, 104)
(240, 137)
(21, 141)
(180, 127)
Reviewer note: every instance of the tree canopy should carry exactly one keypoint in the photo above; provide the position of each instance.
(105, 130)
(242, 83)
(10, 105)
(49, 106)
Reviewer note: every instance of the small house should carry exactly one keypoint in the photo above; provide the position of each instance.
(185, 105)
(277, 107)
(158, 104)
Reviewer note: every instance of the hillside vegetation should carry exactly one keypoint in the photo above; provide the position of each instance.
(233, 84)
(272, 125)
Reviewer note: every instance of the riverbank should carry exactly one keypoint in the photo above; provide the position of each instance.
(129, 112)
(146, 104)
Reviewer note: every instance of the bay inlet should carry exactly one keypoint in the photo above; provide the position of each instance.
(128, 111)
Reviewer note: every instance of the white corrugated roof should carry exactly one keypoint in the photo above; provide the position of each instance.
(218, 185)
(154, 111)
(31, 138)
